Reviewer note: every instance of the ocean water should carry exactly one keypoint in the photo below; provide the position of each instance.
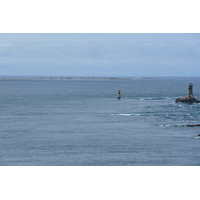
(82, 123)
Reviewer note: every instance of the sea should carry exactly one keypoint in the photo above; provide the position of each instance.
(80, 122)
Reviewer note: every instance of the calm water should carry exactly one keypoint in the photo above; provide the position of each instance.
(81, 122)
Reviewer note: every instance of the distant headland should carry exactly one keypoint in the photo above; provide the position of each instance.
(76, 78)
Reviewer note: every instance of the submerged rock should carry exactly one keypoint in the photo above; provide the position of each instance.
(189, 125)
(192, 125)
(187, 99)
(184, 125)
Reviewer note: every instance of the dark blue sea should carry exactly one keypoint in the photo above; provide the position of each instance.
(82, 123)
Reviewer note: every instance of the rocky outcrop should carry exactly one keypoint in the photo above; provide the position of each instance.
(187, 99)
(189, 125)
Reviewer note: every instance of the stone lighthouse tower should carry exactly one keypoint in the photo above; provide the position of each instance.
(189, 98)
(190, 90)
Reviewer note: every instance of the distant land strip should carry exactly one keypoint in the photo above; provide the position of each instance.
(61, 78)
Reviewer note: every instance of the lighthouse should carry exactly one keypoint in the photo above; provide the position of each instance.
(190, 90)
(119, 94)
(189, 98)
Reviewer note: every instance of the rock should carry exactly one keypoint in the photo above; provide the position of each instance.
(189, 125)
(193, 125)
(187, 99)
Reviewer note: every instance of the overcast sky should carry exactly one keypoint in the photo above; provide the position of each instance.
(109, 54)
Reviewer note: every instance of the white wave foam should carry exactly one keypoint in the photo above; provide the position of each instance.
(125, 114)
(135, 114)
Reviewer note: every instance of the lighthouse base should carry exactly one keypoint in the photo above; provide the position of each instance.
(187, 99)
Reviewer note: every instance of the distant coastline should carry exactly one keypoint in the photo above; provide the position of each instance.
(76, 78)
(86, 78)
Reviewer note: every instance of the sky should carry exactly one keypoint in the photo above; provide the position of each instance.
(99, 54)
